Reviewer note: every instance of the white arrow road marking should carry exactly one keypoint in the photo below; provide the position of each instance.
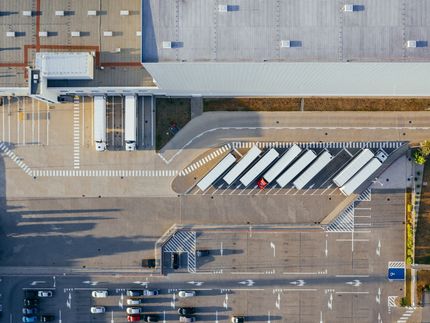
(173, 302)
(378, 249)
(195, 283)
(141, 283)
(59, 316)
(330, 302)
(221, 250)
(378, 297)
(89, 282)
(34, 283)
(326, 248)
(69, 301)
(272, 245)
(268, 317)
(225, 303)
(354, 283)
(53, 277)
(278, 302)
(247, 282)
(121, 301)
(321, 319)
(299, 282)
(216, 316)
(164, 316)
(112, 321)
(379, 318)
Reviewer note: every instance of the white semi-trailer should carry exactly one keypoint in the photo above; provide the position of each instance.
(296, 168)
(259, 167)
(240, 167)
(283, 162)
(216, 172)
(361, 176)
(130, 122)
(319, 163)
(100, 122)
(353, 167)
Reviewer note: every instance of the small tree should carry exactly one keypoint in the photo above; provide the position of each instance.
(425, 148)
(419, 158)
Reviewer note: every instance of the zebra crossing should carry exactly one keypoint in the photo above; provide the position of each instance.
(205, 160)
(405, 317)
(17, 160)
(366, 196)
(103, 173)
(76, 133)
(344, 222)
(183, 242)
(328, 145)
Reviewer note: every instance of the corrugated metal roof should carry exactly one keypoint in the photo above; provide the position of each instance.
(292, 79)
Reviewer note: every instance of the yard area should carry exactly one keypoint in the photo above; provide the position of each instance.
(171, 115)
(422, 235)
(316, 104)
(423, 282)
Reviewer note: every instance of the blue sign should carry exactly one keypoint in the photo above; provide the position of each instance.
(396, 273)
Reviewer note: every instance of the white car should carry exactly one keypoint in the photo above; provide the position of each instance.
(98, 309)
(134, 310)
(134, 301)
(44, 293)
(99, 293)
(186, 293)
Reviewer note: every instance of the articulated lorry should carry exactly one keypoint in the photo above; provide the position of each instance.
(130, 122)
(100, 122)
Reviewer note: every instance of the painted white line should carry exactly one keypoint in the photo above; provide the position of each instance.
(352, 276)
(299, 289)
(352, 292)
(350, 240)
(247, 289)
(300, 273)
(247, 272)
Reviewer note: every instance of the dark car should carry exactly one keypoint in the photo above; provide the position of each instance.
(29, 310)
(175, 260)
(238, 319)
(46, 318)
(151, 318)
(186, 310)
(134, 292)
(31, 302)
(202, 253)
(150, 292)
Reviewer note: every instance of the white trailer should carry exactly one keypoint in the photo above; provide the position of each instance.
(216, 172)
(296, 168)
(282, 163)
(238, 169)
(130, 122)
(361, 177)
(353, 167)
(100, 122)
(319, 163)
(259, 167)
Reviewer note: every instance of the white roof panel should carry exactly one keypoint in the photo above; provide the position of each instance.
(58, 65)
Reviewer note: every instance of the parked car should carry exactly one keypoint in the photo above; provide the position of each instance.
(31, 302)
(29, 311)
(46, 318)
(187, 318)
(44, 293)
(134, 293)
(133, 318)
(150, 292)
(134, 310)
(237, 319)
(186, 293)
(29, 319)
(186, 310)
(151, 318)
(202, 253)
(100, 293)
(98, 309)
(175, 260)
(134, 301)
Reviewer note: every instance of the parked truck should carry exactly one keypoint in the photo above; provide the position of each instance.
(130, 122)
(100, 122)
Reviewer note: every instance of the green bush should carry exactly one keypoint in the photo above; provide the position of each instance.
(403, 302)
(425, 148)
(409, 260)
(419, 157)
